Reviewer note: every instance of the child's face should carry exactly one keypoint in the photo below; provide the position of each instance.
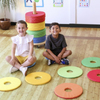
(55, 30)
(21, 29)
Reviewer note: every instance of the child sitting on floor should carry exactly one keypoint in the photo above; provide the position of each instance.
(22, 54)
(56, 46)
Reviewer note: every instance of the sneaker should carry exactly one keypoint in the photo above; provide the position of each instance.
(23, 70)
(13, 69)
(50, 62)
(65, 61)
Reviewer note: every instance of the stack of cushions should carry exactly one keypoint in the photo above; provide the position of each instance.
(36, 26)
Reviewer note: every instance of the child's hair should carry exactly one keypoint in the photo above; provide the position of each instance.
(22, 22)
(54, 23)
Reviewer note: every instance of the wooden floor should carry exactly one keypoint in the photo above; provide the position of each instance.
(84, 42)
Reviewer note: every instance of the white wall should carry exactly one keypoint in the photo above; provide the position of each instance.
(70, 13)
(89, 15)
(56, 14)
(53, 14)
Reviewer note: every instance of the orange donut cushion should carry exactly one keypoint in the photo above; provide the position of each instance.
(76, 90)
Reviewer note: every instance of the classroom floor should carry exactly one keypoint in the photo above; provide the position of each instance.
(84, 42)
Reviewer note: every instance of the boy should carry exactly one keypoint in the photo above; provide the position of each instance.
(56, 46)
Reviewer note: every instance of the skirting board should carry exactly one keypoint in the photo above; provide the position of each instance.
(71, 25)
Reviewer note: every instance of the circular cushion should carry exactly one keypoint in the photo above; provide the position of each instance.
(76, 90)
(40, 39)
(37, 78)
(13, 83)
(88, 62)
(37, 34)
(70, 72)
(36, 26)
(32, 65)
(35, 18)
(93, 75)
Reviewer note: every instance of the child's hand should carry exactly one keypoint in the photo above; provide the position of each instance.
(59, 56)
(57, 60)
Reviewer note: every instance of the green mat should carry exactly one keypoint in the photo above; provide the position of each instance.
(70, 72)
(91, 62)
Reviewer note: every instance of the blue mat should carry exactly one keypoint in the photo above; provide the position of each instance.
(40, 39)
(32, 65)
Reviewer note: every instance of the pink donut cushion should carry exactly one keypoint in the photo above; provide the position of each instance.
(93, 75)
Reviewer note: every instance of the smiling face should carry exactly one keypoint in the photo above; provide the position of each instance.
(21, 29)
(55, 31)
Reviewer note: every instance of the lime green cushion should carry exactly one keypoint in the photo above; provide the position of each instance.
(65, 72)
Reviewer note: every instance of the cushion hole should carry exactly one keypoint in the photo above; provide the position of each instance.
(37, 77)
(92, 62)
(69, 71)
(7, 83)
(68, 90)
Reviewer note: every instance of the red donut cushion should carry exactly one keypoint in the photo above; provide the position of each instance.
(35, 18)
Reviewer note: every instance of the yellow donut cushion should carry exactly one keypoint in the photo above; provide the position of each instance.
(36, 26)
(9, 83)
(37, 78)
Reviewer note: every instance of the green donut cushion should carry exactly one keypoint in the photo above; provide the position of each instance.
(37, 34)
(91, 62)
(65, 72)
